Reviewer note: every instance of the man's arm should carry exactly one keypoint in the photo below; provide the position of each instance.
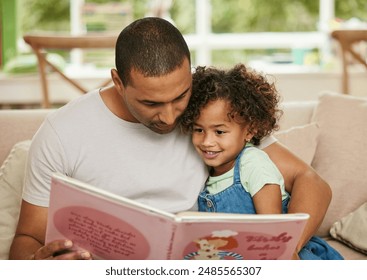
(29, 239)
(309, 192)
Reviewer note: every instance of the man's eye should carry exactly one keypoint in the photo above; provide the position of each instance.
(149, 104)
(219, 132)
(180, 97)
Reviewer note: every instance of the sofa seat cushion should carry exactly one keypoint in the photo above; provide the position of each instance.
(347, 252)
(11, 187)
(341, 153)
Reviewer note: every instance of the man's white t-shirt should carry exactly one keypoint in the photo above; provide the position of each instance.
(86, 141)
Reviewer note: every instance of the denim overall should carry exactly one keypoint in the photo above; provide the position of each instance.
(235, 199)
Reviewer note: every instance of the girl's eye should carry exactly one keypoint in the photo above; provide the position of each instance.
(198, 130)
(219, 132)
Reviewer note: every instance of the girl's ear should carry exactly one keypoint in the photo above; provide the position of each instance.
(249, 137)
(248, 134)
(117, 81)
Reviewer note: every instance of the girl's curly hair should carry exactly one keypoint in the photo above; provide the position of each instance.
(253, 99)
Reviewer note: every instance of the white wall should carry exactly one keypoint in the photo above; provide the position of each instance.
(297, 87)
(292, 86)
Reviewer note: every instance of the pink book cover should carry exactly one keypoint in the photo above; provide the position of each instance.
(116, 228)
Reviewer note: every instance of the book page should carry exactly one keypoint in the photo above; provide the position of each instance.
(254, 238)
(106, 228)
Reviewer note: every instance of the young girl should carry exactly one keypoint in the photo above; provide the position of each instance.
(228, 115)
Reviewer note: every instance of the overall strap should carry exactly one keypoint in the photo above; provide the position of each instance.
(236, 172)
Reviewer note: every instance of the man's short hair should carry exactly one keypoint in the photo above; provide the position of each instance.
(152, 46)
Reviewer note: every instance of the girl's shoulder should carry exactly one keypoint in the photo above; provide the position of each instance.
(252, 153)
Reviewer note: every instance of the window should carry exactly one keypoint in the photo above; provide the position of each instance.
(280, 39)
(273, 33)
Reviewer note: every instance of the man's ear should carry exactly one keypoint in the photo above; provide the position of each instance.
(117, 81)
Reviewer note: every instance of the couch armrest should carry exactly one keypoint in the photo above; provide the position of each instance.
(17, 125)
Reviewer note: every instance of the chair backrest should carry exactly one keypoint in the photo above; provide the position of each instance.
(348, 40)
(40, 44)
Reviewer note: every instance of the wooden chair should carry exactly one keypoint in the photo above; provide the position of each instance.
(348, 40)
(41, 43)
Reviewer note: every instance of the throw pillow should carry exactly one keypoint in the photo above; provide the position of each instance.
(301, 140)
(11, 186)
(341, 153)
(352, 229)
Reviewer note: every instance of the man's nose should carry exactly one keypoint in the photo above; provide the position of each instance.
(168, 115)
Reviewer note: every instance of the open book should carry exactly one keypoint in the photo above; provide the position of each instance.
(113, 227)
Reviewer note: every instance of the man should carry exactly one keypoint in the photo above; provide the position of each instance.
(125, 139)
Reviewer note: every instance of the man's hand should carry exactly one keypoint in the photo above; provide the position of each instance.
(60, 250)
(295, 256)
(29, 239)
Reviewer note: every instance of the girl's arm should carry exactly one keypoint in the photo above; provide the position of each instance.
(268, 200)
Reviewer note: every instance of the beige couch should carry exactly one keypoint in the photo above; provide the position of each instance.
(330, 134)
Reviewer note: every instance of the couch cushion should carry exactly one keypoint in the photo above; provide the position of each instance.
(341, 153)
(11, 186)
(347, 252)
(301, 140)
(352, 229)
(296, 113)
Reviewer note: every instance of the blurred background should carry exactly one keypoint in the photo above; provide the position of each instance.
(287, 39)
